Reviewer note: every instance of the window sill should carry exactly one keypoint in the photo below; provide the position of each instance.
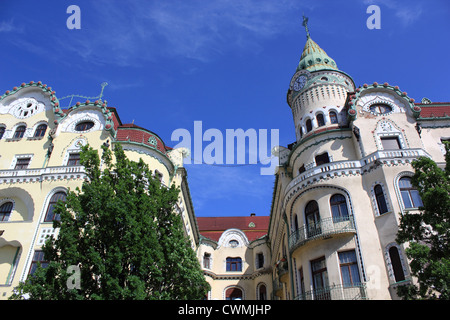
(35, 138)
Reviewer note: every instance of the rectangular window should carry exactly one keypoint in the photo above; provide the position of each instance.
(349, 268)
(207, 261)
(322, 158)
(320, 279)
(38, 257)
(234, 264)
(74, 159)
(259, 260)
(22, 163)
(390, 143)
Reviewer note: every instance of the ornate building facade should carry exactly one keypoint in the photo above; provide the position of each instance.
(39, 162)
(339, 188)
(342, 185)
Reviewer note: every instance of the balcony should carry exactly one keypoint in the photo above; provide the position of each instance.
(41, 174)
(336, 292)
(349, 168)
(323, 229)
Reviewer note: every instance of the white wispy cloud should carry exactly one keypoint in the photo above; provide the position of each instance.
(143, 31)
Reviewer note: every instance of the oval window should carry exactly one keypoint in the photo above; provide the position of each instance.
(380, 108)
(84, 126)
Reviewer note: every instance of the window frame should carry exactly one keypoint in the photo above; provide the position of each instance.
(38, 257)
(40, 131)
(387, 146)
(51, 203)
(333, 117)
(379, 195)
(406, 192)
(2, 131)
(22, 163)
(74, 159)
(19, 134)
(339, 205)
(6, 214)
(234, 263)
(350, 267)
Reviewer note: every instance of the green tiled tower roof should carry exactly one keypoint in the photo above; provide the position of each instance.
(314, 58)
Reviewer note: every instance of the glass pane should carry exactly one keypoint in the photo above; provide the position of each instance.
(416, 198)
(406, 200)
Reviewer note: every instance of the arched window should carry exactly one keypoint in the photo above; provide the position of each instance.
(381, 200)
(300, 131)
(20, 132)
(333, 117)
(40, 130)
(410, 196)
(308, 125)
(396, 263)
(320, 120)
(234, 264)
(2, 131)
(51, 215)
(233, 294)
(207, 260)
(5, 210)
(312, 218)
(262, 292)
(339, 208)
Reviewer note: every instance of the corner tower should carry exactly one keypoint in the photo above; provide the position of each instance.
(317, 91)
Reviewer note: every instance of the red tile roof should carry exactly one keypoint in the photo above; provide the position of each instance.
(213, 227)
(434, 110)
(134, 133)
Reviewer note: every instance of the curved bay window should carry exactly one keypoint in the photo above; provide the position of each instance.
(51, 215)
(410, 196)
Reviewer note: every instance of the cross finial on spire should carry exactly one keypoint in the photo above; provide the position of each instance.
(305, 24)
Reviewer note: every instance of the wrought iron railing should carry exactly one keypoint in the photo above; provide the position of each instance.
(323, 228)
(336, 292)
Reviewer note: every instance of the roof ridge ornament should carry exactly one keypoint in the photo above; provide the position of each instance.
(99, 97)
(305, 24)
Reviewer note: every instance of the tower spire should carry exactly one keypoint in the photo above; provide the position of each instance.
(305, 24)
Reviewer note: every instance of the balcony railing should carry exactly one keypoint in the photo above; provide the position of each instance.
(336, 292)
(321, 229)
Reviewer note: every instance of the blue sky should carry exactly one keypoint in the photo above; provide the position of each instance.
(225, 63)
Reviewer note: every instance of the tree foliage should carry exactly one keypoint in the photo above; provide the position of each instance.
(428, 232)
(118, 237)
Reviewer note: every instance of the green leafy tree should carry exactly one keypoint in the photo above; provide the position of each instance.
(428, 232)
(119, 238)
